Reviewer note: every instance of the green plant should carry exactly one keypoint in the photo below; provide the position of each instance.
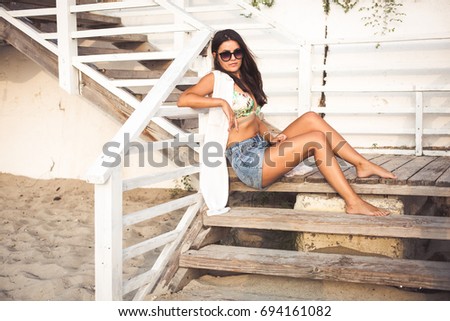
(344, 4)
(185, 186)
(381, 15)
(186, 182)
(257, 3)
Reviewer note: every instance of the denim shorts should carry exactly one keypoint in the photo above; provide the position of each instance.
(247, 158)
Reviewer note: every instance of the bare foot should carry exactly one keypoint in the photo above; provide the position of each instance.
(369, 169)
(363, 208)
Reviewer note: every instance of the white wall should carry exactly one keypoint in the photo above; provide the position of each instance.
(45, 133)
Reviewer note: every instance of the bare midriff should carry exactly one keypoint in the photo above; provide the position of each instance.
(248, 127)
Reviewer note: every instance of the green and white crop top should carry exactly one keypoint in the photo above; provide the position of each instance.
(243, 105)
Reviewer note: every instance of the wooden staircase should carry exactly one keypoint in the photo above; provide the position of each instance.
(102, 45)
(203, 252)
(209, 250)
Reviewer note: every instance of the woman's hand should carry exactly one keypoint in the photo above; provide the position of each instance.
(278, 138)
(232, 120)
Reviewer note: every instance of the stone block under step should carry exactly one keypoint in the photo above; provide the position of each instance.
(386, 246)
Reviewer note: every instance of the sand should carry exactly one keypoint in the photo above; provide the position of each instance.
(47, 250)
(47, 236)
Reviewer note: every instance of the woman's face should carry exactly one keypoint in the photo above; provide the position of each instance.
(233, 64)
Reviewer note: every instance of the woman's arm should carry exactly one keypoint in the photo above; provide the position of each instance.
(198, 96)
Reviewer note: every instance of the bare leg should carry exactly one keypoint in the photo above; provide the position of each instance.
(310, 122)
(283, 157)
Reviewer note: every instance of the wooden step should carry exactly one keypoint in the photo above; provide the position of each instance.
(402, 226)
(83, 51)
(417, 175)
(320, 266)
(138, 74)
(85, 20)
(121, 38)
(29, 4)
(132, 74)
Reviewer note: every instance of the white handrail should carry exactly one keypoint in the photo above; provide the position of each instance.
(158, 177)
(146, 281)
(183, 14)
(112, 5)
(98, 174)
(132, 56)
(29, 31)
(408, 38)
(386, 88)
(32, 12)
(132, 30)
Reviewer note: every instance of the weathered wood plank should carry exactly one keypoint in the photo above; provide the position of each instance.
(375, 189)
(132, 74)
(122, 38)
(393, 162)
(82, 51)
(179, 280)
(431, 172)
(408, 170)
(174, 278)
(349, 171)
(210, 235)
(154, 73)
(85, 19)
(358, 269)
(404, 166)
(96, 20)
(29, 47)
(29, 4)
(444, 179)
(402, 226)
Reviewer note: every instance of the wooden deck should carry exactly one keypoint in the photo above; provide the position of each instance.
(417, 175)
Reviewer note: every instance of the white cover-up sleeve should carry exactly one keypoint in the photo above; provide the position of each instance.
(214, 180)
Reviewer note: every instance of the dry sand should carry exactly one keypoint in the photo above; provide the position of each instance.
(47, 250)
(47, 236)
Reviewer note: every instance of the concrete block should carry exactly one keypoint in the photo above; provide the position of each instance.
(334, 243)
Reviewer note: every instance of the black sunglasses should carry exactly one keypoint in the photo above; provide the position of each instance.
(226, 55)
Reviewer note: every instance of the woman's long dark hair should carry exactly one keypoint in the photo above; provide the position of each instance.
(250, 80)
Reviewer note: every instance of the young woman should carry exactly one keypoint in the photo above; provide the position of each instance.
(258, 157)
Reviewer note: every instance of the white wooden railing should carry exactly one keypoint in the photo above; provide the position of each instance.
(109, 182)
(311, 70)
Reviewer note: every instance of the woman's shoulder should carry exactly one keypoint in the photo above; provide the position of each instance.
(215, 76)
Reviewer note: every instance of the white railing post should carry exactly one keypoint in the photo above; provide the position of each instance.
(304, 79)
(178, 37)
(67, 46)
(108, 238)
(419, 123)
